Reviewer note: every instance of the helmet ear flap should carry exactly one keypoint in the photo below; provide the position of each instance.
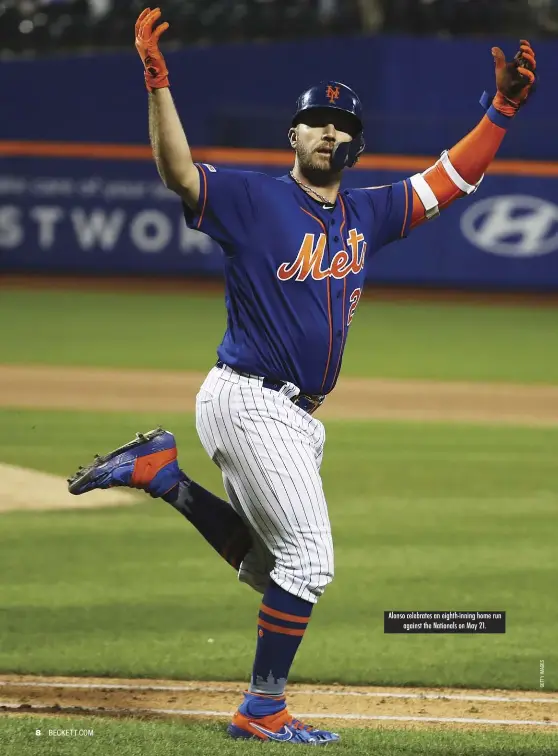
(359, 146)
(346, 154)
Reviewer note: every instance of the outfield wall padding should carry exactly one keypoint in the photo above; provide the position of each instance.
(114, 216)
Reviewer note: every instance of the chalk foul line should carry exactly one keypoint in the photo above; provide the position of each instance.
(305, 715)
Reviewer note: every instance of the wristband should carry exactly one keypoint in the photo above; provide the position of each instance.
(501, 120)
(497, 118)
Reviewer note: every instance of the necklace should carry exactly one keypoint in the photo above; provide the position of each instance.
(309, 189)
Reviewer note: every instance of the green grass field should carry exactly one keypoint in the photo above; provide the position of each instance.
(425, 516)
(176, 739)
(181, 331)
(431, 517)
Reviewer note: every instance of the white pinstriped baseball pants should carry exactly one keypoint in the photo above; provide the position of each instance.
(269, 452)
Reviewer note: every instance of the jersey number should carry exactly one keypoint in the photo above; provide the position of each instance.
(353, 299)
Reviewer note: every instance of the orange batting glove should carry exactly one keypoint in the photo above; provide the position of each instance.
(515, 79)
(147, 45)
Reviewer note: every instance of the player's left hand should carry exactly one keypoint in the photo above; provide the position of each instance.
(514, 79)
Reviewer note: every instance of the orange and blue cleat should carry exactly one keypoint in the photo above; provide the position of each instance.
(267, 718)
(148, 462)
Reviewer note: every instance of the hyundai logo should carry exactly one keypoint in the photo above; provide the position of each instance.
(515, 225)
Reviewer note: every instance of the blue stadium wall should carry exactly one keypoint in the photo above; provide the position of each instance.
(112, 215)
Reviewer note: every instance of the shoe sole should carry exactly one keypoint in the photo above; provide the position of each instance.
(85, 475)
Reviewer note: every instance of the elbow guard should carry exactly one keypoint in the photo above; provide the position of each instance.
(432, 201)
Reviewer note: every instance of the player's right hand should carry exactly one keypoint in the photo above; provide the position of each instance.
(147, 45)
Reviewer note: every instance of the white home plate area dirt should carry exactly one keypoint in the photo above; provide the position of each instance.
(334, 705)
(139, 391)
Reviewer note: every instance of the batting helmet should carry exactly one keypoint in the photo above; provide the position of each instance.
(335, 96)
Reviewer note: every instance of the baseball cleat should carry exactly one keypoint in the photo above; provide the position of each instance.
(262, 718)
(148, 462)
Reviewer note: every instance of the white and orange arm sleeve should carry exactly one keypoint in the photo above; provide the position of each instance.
(457, 173)
(460, 171)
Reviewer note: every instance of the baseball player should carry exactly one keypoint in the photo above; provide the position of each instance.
(295, 251)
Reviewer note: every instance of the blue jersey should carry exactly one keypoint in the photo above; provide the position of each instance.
(294, 271)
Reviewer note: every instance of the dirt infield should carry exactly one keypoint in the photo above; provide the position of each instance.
(41, 387)
(337, 705)
(26, 490)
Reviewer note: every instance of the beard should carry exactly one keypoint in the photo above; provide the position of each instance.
(316, 167)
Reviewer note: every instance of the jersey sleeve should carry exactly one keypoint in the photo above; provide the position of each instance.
(392, 210)
(226, 206)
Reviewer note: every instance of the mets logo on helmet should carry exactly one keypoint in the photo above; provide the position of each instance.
(332, 94)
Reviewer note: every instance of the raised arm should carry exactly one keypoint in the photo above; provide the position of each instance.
(168, 140)
(459, 171)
